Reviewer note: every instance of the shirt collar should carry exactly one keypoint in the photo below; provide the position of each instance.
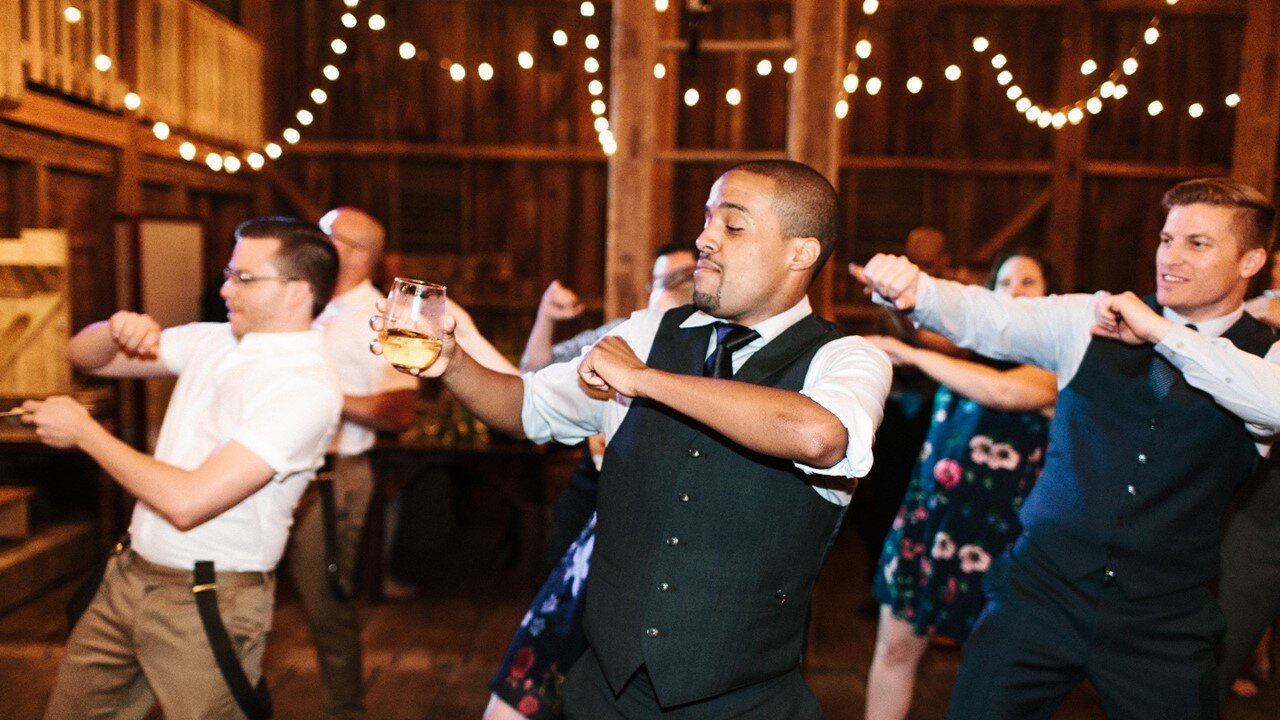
(281, 342)
(1213, 327)
(768, 329)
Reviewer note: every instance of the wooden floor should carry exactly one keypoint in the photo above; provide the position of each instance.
(430, 658)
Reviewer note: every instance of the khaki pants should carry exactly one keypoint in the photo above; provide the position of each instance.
(141, 641)
(333, 622)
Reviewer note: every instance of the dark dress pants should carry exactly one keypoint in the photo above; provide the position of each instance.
(1249, 589)
(587, 696)
(1041, 635)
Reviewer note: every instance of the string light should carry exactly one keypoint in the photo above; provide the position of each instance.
(850, 83)
(597, 107)
(733, 96)
(273, 150)
(160, 130)
(789, 65)
(981, 44)
(1233, 100)
(873, 86)
(1004, 78)
(525, 59)
(591, 65)
(231, 164)
(1093, 105)
(764, 67)
(349, 20)
(661, 5)
(102, 63)
(457, 72)
(351, 3)
(863, 49)
(1195, 110)
(659, 71)
(1023, 104)
(319, 96)
(1151, 36)
(587, 8)
(1088, 67)
(1014, 92)
(869, 7)
(842, 108)
(592, 41)
(691, 97)
(1155, 107)
(338, 46)
(377, 22)
(408, 51)
(595, 87)
(331, 72)
(1120, 91)
(255, 161)
(132, 101)
(560, 38)
(1130, 66)
(485, 71)
(952, 73)
(291, 136)
(72, 14)
(914, 84)
(1075, 116)
(998, 61)
(187, 151)
(305, 117)
(601, 124)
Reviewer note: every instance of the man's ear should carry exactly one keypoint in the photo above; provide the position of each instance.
(1253, 262)
(805, 253)
(300, 294)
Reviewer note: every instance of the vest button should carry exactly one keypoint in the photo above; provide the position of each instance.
(683, 496)
(652, 632)
(782, 597)
(673, 541)
(664, 587)
(695, 452)
(1142, 458)
(1155, 424)
(1132, 490)
(1109, 573)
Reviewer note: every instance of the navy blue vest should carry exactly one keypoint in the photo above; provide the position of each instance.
(705, 552)
(1135, 486)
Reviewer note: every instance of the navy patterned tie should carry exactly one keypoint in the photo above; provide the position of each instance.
(729, 339)
(1162, 375)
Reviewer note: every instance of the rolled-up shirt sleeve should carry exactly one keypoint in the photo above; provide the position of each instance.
(1245, 384)
(850, 378)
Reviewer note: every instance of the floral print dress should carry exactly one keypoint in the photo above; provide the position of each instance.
(550, 638)
(960, 513)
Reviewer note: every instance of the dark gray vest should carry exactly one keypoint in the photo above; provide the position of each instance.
(1134, 484)
(705, 552)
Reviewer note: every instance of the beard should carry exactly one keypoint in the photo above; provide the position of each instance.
(706, 302)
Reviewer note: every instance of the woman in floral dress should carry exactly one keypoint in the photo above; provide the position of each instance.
(982, 455)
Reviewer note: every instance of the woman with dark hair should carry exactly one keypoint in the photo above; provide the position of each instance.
(982, 455)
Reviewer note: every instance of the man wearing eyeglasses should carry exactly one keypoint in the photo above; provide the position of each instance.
(255, 405)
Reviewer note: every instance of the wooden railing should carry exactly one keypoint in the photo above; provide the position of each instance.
(193, 69)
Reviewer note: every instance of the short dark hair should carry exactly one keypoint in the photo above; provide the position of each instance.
(675, 247)
(305, 253)
(1256, 215)
(804, 200)
(1046, 268)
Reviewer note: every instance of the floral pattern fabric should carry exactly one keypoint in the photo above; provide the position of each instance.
(960, 512)
(550, 637)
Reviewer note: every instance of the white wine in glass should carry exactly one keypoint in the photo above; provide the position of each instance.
(410, 336)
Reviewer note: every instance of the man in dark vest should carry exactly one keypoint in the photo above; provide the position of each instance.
(1163, 405)
(718, 498)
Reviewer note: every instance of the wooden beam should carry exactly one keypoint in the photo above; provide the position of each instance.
(956, 166)
(766, 45)
(715, 156)
(447, 151)
(302, 203)
(629, 224)
(1253, 156)
(1150, 171)
(64, 118)
(813, 132)
(1014, 226)
(1067, 185)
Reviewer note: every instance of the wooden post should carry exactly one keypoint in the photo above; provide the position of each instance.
(1253, 158)
(1067, 185)
(818, 29)
(629, 224)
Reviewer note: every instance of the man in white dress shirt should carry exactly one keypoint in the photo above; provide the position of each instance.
(1164, 408)
(255, 405)
(725, 476)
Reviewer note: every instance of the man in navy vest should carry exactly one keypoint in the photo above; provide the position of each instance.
(718, 498)
(1165, 405)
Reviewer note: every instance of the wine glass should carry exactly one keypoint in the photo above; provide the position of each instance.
(410, 334)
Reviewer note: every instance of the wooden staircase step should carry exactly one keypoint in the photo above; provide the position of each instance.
(15, 511)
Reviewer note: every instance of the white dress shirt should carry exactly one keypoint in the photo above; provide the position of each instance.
(848, 377)
(345, 323)
(1054, 333)
(275, 394)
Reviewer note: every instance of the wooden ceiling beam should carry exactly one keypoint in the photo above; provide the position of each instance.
(446, 151)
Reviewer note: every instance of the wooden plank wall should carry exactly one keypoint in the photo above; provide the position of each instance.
(509, 170)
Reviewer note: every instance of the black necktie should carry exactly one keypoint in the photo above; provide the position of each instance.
(1162, 375)
(729, 339)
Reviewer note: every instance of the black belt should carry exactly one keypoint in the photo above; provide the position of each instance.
(255, 700)
(329, 518)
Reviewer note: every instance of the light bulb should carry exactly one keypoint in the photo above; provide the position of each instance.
(1093, 105)
(842, 108)
(160, 130)
(789, 65)
(998, 61)
(273, 150)
(485, 71)
(1155, 107)
(691, 97)
(1151, 36)
(1233, 100)
(1088, 67)
(1013, 93)
(592, 41)
(377, 22)
(869, 7)
(733, 96)
(231, 163)
(349, 20)
(72, 14)
(597, 107)
(863, 49)
(601, 124)
(457, 72)
(1005, 77)
(291, 136)
(952, 72)
(981, 44)
(587, 8)
(331, 72)
(1075, 116)
(595, 87)
(338, 46)
(591, 65)
(851, 83)
(560, 38)
(255, 160)
(187, 150)
(659, 71)
(764, 67)
(132, 100)
(1195, 110)
(914, 85)
(525, 59)
(1130, 66)
(873, 86)
(661, 5)
(305, 117)
(214, 161)
(408, 51)
(319, 96)
(102, 63)
(1023, 103)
